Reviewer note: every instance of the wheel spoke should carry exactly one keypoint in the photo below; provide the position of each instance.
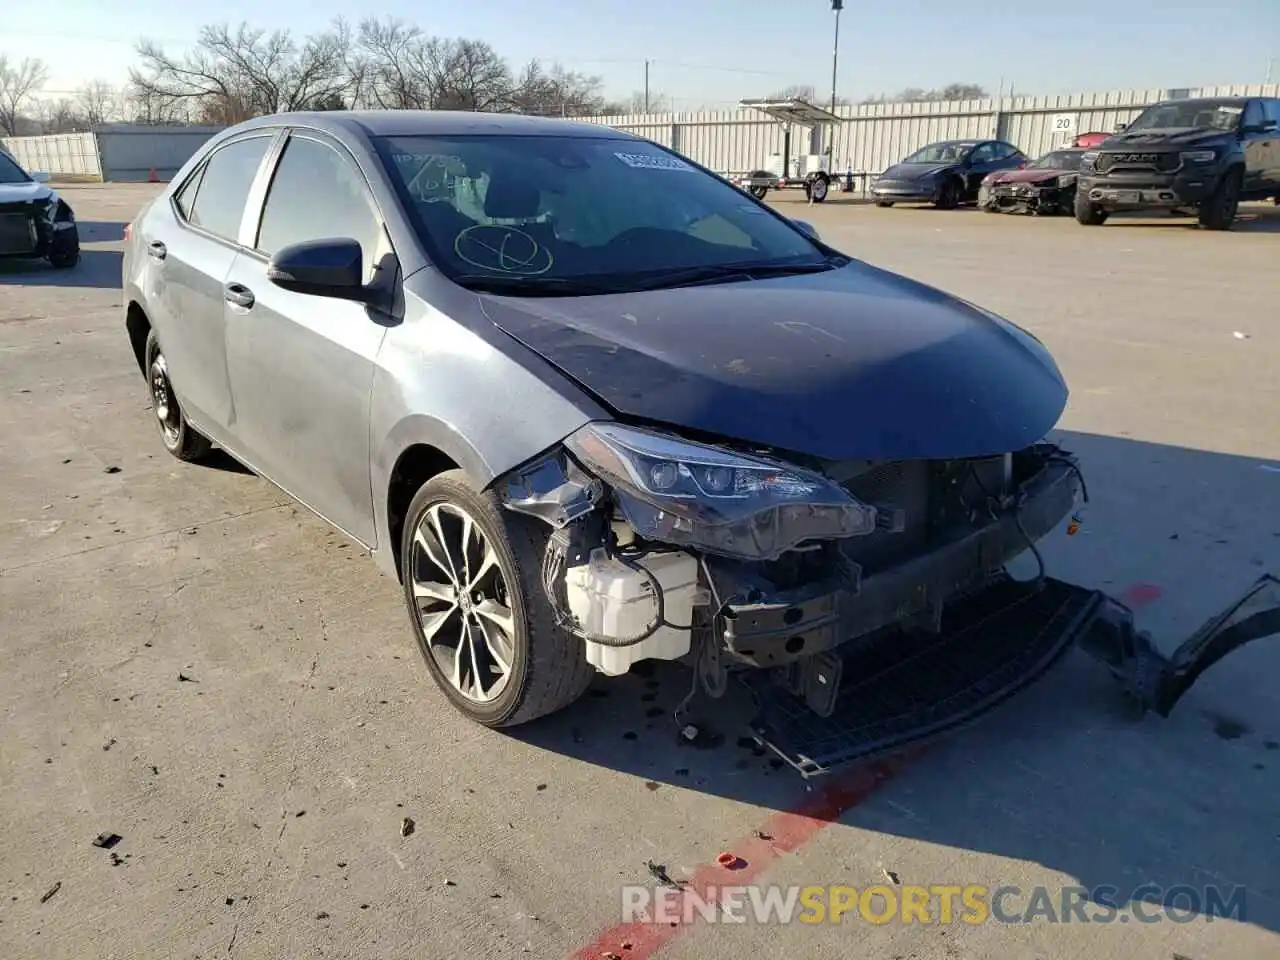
(498, 615)
(429, 542)
(433, 620)
(464, 563)
(497, 644)
(430, 590)
(478, 691)
(487, 563)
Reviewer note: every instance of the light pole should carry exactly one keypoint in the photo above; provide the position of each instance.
(837, 6)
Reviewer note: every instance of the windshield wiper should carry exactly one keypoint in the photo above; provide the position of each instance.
(730, 272)
(532, 286)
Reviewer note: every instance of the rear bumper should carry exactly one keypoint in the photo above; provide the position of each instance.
(777, 628)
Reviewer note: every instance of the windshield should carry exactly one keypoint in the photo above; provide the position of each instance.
(10, 172)
(567, 213)
(1059, 160)
(941, 153)
(1200, 114)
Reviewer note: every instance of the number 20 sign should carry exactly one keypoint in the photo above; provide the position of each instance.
(1064, 123)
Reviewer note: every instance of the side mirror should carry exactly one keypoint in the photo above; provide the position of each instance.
(41, 177)
(321, 268)
(807, 228)
(1121, 127)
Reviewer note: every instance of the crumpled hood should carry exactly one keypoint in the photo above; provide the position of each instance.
(1173, 137)
(1037, 175)
(855, 363)
(915, 171)
(23, 192)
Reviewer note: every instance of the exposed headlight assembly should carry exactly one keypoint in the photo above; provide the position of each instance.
(1088, 159)
(705, 498)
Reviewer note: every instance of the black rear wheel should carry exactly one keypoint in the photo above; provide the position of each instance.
(178, 436)
(758, 192)
(884, 203)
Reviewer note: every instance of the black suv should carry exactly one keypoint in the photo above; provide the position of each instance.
(1204, 155)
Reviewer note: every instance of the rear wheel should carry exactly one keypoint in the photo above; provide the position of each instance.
(1218, 210)
(1090, 214)
(818, 188)
(472, 582)
(758, 192)
(884, 203)
(178, 436)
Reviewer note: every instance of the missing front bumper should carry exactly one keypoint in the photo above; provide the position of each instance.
(992, 645)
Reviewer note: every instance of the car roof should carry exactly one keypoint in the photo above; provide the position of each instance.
(405, 123)
(1235, 101)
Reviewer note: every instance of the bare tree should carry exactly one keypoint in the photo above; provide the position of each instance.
(59, 116)
(952, 91)
(18, 82)
(233, 75)
(805, 91)
(638, 102)
(99, 102)
(555, 91)
(149, 108)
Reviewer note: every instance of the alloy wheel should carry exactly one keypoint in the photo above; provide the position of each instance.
(163, 403)
(461, 600)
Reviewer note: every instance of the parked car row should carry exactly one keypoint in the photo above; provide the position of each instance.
(1199, 156)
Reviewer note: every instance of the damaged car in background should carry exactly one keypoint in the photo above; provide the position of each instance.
(594, 406)
(1046, 187)
(35, 222)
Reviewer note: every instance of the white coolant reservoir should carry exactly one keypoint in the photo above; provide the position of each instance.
(611, 599)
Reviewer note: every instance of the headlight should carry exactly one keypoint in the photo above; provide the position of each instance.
(1198, 156)
(1088, 159)
(702, 497)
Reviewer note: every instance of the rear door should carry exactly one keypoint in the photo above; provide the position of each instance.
(189, 247)
(1271, 113)
(301, 366)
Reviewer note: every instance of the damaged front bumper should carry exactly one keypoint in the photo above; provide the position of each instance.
(769, 628)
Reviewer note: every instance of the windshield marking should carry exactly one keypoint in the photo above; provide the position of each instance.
(529, 259)
(648, 161)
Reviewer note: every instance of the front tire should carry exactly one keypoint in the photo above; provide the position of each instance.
(472, 583)
(948, 195)
(758, 192)
(64, 249)
(1089, 214)
(1218, 210)
(886, 204)
(178, 436)
(818, 188)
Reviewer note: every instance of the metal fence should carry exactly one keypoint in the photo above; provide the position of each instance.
(872, 137)
(73, 155)
(868, 139)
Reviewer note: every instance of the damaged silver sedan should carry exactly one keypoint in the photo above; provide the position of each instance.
(593, 406)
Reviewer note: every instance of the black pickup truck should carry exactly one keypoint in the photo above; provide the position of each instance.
(1202, 155)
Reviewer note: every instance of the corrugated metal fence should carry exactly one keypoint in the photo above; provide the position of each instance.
(872, 137)
(115, 152)
(869, 138)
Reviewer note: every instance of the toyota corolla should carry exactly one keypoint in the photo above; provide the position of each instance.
(591, 405)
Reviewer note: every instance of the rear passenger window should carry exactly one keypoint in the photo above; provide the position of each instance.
(1271, 110)
(316, 194)
(224, 187)
(187, 194)
(1252, 115)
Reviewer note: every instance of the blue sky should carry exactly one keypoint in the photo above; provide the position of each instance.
(718, 51)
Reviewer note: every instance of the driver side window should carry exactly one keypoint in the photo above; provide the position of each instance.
(983, 153)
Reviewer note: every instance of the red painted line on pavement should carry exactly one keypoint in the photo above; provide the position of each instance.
(787, 830)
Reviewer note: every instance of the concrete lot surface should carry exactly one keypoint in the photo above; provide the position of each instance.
(196, 665)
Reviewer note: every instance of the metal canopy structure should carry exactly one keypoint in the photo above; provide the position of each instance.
(793, 110)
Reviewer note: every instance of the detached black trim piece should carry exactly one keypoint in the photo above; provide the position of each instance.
(919, 685)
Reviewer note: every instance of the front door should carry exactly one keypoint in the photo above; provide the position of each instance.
(301, 366)
(1257, 155)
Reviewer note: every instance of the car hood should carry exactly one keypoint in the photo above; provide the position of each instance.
(854, 363)
(23, 192)
(915, 171)
(1169, 137)
(1037, 175)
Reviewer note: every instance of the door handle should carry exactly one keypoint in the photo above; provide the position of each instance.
(157, 250)
(238, 295)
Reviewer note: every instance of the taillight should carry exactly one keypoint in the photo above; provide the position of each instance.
(128, 231)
